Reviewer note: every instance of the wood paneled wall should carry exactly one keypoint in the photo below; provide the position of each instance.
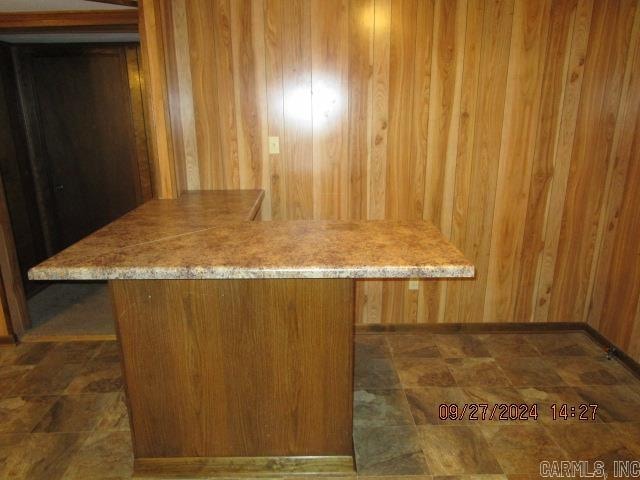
(511, 124)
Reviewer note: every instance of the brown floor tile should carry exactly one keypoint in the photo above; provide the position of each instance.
(10, 375)
(25, 353)
(456, 450)
(75, 413)
(9, 443)
(530, 372)
(102, 455)
(47, 379)
(521, 448)
(394, 477)
(375, 373)
(115, 415)
(424, 403)
(545, 397)
(630, 434)
(22, 414)
(423, 372)
(564, 343)
(108, 352)
(461, 345)
(47, 459)
(525, 476)
(389, 451)
(590, 370)
(499, 397)
(71, 352)
(371, 346)
(508, 345)
(616, 403)
(592, 442)
(377, 408)
(415, 346)
(97, 376)
(471, 477)
(477, 371)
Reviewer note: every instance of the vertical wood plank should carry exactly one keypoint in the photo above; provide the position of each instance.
(498, 19)
(620, 160)
(520, 123)
(330, 107)
(554, 86)
(401, 77)
(380, 110)
(466, 133)
(377, 171)
(400, 157)
(247, 39)
(604, 71)
(437, 137)
(225, 84)
(185, 94)
(564, 148)
(139, 125)
(297, 144)
(153, 57)
(361, 28)
(359, 127)
(211, 162)
(622, 295)
(275, 106)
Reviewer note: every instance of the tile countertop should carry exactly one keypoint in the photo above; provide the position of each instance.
(208, 235)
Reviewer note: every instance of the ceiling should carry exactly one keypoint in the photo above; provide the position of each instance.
(55, 5)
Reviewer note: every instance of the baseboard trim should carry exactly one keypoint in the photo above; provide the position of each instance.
(512, 327)
(7, 340)
(193, 467)
(38, 338)
(616, 351)
(495, 327)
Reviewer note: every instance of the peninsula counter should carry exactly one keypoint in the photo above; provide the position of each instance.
(237, 336)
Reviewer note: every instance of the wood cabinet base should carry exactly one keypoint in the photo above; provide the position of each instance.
(233, 376)
(243, 466)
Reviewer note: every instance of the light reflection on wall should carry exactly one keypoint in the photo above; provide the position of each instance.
(316, 108)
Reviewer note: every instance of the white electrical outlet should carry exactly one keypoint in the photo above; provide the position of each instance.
(274, 145)
(414, 284)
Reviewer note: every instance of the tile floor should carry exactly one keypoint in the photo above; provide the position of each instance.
(62, 412)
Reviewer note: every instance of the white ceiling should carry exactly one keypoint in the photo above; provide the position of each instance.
(54, 5)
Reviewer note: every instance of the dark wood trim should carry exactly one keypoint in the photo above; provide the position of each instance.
(342, 465)
(144, 187)
(124, 3)
(519, 327)
(525, 327)
(109, 20)
(10, 271)
(613, 350)
(7, 340)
